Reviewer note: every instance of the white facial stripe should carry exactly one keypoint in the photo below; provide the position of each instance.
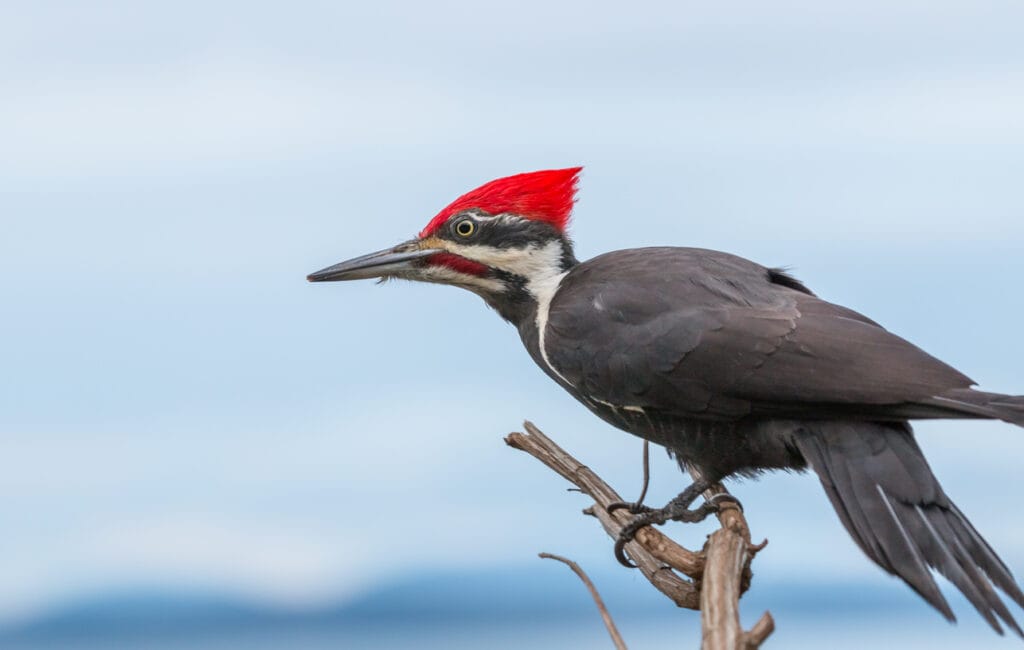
(533, 262)
(542, 268)
(445, 275)
(540, 265)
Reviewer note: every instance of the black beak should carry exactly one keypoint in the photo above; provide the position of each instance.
(392, 261)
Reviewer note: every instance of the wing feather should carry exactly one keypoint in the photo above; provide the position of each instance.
(707, 334)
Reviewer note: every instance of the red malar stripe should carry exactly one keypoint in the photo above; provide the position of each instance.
(457, 263)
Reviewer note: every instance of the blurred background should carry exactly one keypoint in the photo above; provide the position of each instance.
(198, 449)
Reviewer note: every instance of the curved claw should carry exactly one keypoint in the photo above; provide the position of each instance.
(676, 510)
(620, 553)
(714, 500)
(626, 536)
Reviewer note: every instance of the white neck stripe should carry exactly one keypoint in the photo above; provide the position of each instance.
(544, 295)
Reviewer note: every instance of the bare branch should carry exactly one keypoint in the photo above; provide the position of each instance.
(719, 574)
(650, 551)
(726, 577)
(728, 554)
(757, 634)
(605, 616)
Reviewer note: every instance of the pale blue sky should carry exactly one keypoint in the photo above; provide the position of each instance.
(179, 407)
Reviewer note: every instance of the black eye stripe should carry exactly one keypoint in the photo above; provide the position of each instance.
(499, 231)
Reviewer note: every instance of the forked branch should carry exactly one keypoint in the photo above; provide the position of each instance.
(716, 577)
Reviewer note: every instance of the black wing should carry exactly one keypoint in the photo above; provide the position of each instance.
(705, 334)
(700, 334)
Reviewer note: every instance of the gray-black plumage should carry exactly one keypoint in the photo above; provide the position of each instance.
(737, 368)
(734, 367)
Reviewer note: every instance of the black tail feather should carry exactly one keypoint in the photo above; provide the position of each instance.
(1010, 408)
(976, 403)
(894, 508)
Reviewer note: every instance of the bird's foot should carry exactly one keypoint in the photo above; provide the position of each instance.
(725, 497)
(652, 517)
(676, 510)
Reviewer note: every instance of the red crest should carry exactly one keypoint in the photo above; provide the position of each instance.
(545, 196)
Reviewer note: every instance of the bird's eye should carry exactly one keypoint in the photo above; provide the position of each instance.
(465, 228)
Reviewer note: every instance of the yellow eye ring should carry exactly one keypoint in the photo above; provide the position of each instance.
(465, 228)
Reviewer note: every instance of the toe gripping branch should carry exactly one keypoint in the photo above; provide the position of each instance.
(631, 523)
(710, 580)
(678, 509)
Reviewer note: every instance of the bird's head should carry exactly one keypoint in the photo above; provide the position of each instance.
(505, 240)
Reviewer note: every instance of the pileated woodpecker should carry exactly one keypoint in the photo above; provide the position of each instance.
(734, 367)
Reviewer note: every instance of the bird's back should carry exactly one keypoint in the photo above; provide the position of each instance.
(712, 336)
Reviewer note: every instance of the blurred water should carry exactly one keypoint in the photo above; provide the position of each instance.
(534, 609)
(792, 634)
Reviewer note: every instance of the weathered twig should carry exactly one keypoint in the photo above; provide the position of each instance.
(719, 574)
(605, 616)
(757, 634)
(650, 551)
(727, 575)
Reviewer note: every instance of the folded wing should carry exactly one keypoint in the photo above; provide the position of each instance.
(710, 335)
